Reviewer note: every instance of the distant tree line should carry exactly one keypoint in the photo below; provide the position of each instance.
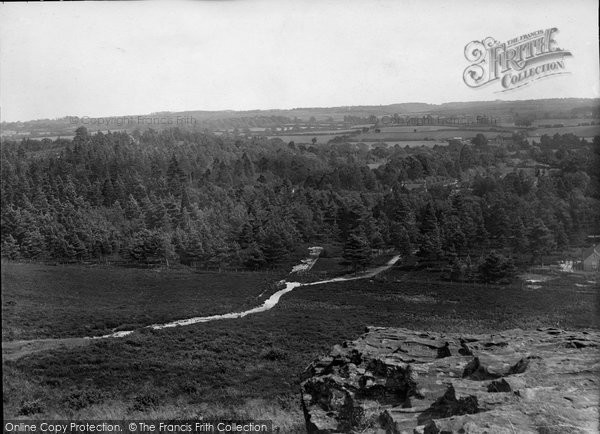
(198, 199)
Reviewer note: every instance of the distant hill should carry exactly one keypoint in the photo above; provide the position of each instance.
(539, 108)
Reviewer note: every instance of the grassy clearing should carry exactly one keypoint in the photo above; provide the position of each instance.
(567, 122)
(322, 139)
(331, 264)
(405, 143)
(422, 134)
(412, 128)
(251, 367)
(41, 301)
(581, 131)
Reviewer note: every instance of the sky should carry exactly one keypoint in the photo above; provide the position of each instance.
(124, 58)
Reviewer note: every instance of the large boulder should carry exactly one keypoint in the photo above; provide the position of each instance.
(404, 381)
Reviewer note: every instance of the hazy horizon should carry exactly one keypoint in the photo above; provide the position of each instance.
(84, 59)
(296, 108)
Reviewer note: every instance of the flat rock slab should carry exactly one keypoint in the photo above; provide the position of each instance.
(405, 381)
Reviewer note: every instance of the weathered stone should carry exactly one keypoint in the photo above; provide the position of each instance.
(491, 422)
(402, 381)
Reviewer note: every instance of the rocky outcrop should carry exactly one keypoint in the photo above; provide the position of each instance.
(403, 381)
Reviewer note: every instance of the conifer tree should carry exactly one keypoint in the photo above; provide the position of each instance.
(10, 248)
(357, 250)
(430, 246)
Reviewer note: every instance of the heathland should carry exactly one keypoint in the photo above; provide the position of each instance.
(247, 367)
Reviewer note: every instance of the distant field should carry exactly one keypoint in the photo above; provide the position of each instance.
(419, 128)
(409, 143)
(587, 131)
(566, 121)
(424, 136)
(322, 139)
(66, 137)
(41, 301)
(247, 367)
(421, 135)
(326, 132)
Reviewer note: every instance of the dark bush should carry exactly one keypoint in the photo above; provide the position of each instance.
(496, 268)
(273, 354)
(31, 407)
(145, 402)
(190, 387)
(82, 398)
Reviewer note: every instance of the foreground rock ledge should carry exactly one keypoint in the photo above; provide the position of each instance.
(404, 381)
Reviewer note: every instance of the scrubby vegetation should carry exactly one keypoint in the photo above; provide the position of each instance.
(40, 301)
(252, 366)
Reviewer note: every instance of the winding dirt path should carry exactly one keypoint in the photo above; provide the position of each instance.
(15, 349)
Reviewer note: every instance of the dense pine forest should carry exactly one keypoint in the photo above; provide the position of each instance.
(180, 197)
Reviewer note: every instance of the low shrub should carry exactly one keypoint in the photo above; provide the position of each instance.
(82, 398)
(145, 402)
(273, 354)
(29, 408)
